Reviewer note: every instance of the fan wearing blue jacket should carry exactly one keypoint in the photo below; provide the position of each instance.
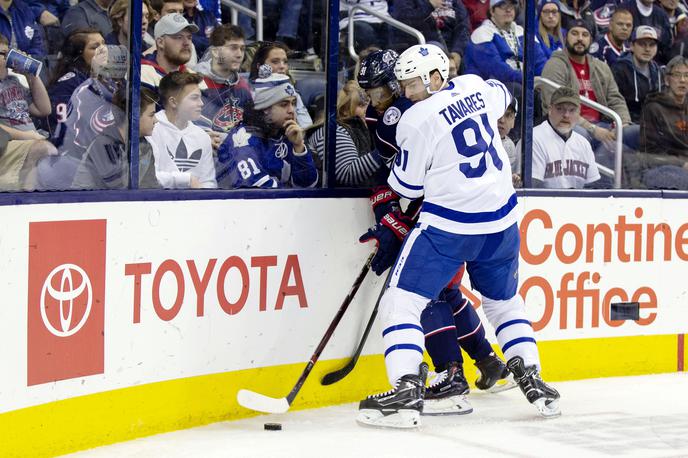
(18, 24)
(267, 149)
(496, 47)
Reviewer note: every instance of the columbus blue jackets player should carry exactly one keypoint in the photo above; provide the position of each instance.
(451, 318)
(451, 154)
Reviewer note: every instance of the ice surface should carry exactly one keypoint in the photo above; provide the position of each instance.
(645, 416)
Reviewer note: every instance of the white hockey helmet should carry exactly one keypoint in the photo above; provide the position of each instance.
(421, 60)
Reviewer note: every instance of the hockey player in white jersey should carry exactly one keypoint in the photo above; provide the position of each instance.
(451, 155)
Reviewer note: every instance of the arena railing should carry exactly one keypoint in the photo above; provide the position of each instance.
(383, 17)
(618, 127)
(235, 8)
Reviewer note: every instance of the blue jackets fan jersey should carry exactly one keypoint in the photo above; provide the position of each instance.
(60, 93)
(451, 154)
(248, 160)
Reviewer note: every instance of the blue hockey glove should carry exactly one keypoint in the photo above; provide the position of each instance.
(389, 233)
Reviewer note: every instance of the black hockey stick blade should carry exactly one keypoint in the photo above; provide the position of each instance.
(260, 402)
(335, 376)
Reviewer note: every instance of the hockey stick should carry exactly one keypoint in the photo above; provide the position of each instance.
(261, 403)
(334, 377)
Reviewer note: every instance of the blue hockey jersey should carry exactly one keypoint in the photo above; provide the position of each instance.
(248, 160)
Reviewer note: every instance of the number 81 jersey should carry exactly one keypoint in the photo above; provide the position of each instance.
(451, 154)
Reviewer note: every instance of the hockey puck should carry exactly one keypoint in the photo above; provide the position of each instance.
(273, 426)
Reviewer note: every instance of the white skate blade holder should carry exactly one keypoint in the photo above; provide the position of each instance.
(550, 410)
(402, 419)
(262, 403)
(455, 405)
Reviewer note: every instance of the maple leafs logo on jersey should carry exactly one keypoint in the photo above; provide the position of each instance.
(240, 138)
(423, 51)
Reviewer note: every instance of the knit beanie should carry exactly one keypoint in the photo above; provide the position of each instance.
(271, 88)
(547, 2)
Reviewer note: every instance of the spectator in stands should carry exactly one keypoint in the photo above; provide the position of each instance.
(478, 12)
(267, 149)
(369, 30)
(589, 77)
(90, 106)
(88, 14)
(286, 14)
(443, 22)
(72, 70)
(562, 158)
(20, 151)
(275, 55)
(105, 164)
(573, 11)
(636, 73)
(496, 47)
(18, 25)
(549, 27)
(356, 160)
(664, 131)
(504, 125)
(173, 43)
(119, 16)
(163, 8)
(17, 103)
(49, 12)
(676, 11)
(225, 93)
(204, 19)
(611, 45)
(183, 151)
(646, 12)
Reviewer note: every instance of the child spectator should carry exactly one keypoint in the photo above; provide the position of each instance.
(182, 150)
(20, 151)
(356, 160)
(226, 93)
(105, 164)
(267, 150)
(275, 55)
(173, 42)
(72, 70)
(18, 25)
(549, 27)
(18, 104)
(636, 73)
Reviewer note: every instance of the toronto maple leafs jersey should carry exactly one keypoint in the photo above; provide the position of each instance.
(181, 153)
(246, 159)
(451, 154)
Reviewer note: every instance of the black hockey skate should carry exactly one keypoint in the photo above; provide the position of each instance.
(493, 375)
(542, 396)
(396, 408)
(446, 395)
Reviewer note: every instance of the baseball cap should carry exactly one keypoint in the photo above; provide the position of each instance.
(494, 3)
(644, 31)
(579, 23)
(565, 95)
(173, 23)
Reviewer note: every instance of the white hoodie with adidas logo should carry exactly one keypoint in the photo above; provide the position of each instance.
(181, 153)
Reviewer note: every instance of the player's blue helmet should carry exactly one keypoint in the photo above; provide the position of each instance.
(377, 70)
